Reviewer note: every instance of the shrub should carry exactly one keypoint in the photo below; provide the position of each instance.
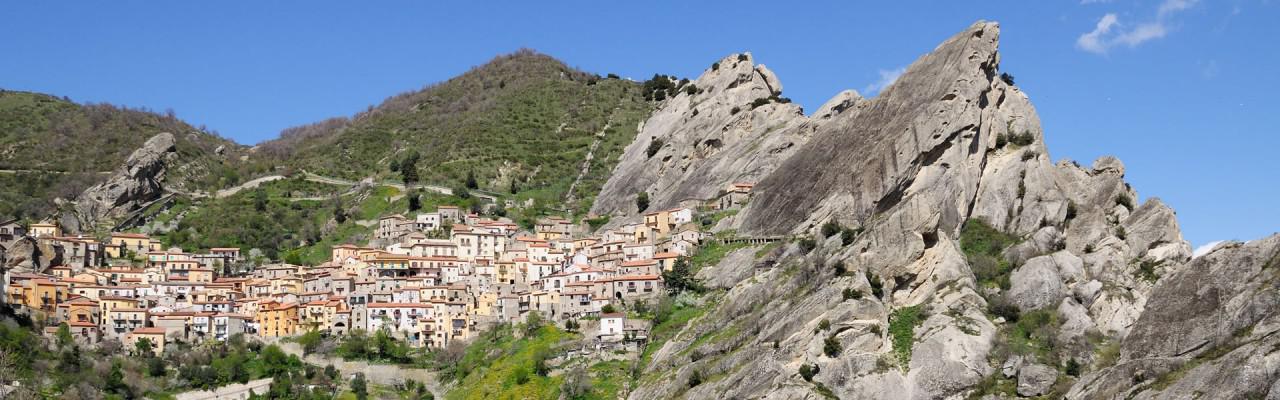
(735, 110)
(1072, 368)
(642, 201)
(875, 330)
(759, 102)
(613, 76)
(1007, 78)
(1023, 139)
(902, 326)
(851, 294)
(1088, 248)
(1029, 155)
(830, 228)
(654, 147)
(1002, 307)
(1002, 140)
(1071, 210)
(1124, 200)
(807, 245)
(608, 309)
(831, 346)
(877, 287)
(742, 57)
(1120, 233)
(715, 66)
(691, 90)
(807, 371)
(824, 325)
(840, 268)
(847, 236)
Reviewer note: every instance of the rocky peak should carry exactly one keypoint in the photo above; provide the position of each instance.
(734, 127)
(134, 184)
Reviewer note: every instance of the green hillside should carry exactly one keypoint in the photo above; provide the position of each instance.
(52, 147)
(524, 117)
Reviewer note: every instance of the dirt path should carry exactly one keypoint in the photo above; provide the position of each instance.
(570, 198)
(237, 391)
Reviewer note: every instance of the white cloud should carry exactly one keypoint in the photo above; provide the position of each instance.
(1110, 32)
(1206, 248)
(887, 77)
(1093, 41)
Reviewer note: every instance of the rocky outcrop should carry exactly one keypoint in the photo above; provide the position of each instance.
(136, 183)
(26, 254)
(1212, 327)
(734, 127)
(951, 141)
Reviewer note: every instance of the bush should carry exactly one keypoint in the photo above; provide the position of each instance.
(1071, 210)
(608, 309)
(613, 76)
(1000, 306)
(691, 90)
(1072, 368)
(759, 102)
(902, 326)
(851, 294)
(807, 245)
(830, 228)
(742, 57)
(735, 110)
(824, 325)
(1022, 139)
(715, 66)
(1120, 233)
(654, 147)
(1001, 140)
(831, 346)
(1007, 78)
(1088, 248)
(1029, 155)
(1124, 200)
(841, 269)
(877, 287)
(848, 235)
(807, 371)
(642, 201)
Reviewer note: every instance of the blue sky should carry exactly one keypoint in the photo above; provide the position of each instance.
(1185, 92)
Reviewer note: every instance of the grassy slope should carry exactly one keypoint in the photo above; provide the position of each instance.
(70, 143)
(524, 116)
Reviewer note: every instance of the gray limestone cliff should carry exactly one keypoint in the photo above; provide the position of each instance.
(952, 142)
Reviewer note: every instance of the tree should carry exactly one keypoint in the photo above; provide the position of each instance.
(310, 341)
(642, 201)
(339, 214)
(415, 200)
(471, 180)
(409, 168)
(115, 381)
(64, 335)
(680, 278)
(514, 188)
(155, 366)
(259, 200)
(142, 348)
(359, 387)
(331, 372)
(608, 309)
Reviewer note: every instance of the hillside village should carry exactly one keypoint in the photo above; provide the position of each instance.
(431, 279)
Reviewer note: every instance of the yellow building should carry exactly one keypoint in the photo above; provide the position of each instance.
(44, 229)
(155, 335)
(275, 320)
(122, 244)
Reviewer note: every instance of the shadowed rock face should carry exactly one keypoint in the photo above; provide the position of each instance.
(134, 184)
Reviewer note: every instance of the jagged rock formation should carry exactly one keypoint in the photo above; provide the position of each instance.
(952, 141)
(26, 254)
(1210, 329)
(711, 138)
(136, 183)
